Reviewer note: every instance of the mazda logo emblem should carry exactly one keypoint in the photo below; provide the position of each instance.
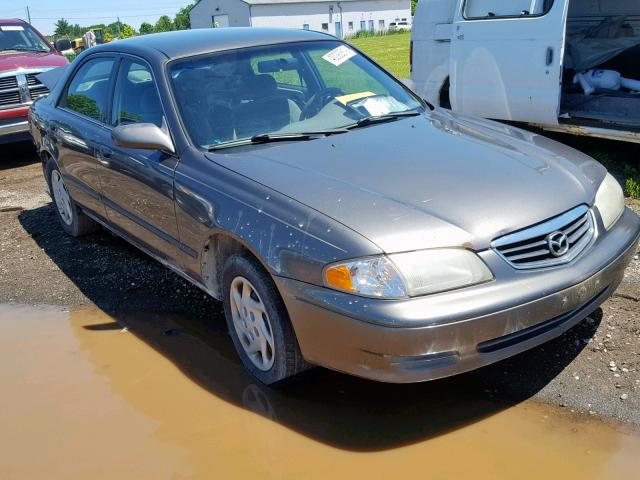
(558, 243)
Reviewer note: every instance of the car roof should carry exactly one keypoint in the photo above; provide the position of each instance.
(194, 42)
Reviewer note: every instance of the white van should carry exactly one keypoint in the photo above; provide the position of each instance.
(563, 65)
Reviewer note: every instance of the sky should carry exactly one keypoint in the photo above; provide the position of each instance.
(45, 13)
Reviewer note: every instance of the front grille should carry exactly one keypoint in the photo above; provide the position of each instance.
(8, 82)
(32, 80)
(9, 98)
(14, 94)
(38, 91)
(550, 243)
(36, 88)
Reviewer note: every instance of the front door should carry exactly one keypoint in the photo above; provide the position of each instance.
(137, 185)
(506, 59)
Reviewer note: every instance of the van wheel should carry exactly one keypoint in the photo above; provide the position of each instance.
(258, 322)
(74, 222)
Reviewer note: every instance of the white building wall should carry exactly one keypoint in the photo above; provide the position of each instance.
(296, 15)
(202, 14)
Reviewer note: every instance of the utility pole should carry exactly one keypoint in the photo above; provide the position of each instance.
(119, 34)
(28, 14)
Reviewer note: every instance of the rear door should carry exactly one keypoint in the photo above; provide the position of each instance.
(82, 112)
(506, 59)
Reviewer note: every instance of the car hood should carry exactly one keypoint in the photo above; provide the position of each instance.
(425, 182)
(15, 60)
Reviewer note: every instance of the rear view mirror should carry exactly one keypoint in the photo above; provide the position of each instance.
(277, 65)
(62, 45)
(143, 136)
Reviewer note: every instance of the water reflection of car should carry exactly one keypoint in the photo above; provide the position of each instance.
(342, 221)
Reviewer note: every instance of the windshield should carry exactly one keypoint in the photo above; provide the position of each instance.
(21, 38)
(305, 87)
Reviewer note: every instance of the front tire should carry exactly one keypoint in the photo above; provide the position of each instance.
(258, 322)
(72, 219)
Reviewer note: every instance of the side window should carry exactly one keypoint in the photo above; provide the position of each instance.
(486, 9)
(88, 92)
(283, 67)
(135, 98)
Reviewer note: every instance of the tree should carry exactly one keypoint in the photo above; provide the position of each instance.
(182, 20)
(146, 28)
(127, 31)
(164, 24)
(62, 28)
(414, 3)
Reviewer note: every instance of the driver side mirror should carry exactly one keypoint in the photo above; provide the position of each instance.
(62, 45)
(142, 136)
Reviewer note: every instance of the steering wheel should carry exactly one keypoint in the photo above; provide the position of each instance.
(317, 101)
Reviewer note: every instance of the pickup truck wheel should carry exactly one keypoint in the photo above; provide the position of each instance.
(258, 322)
(73, 220)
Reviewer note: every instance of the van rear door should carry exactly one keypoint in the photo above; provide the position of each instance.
(506, 59)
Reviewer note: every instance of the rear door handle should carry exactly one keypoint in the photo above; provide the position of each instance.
(104, 154)
(549, 56)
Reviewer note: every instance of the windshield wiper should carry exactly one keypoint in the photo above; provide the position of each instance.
(384, 118)
(276, 137)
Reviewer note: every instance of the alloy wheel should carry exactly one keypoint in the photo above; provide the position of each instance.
(251, 322)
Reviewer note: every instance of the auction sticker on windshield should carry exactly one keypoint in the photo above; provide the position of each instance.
(11, 28)
(339, 55)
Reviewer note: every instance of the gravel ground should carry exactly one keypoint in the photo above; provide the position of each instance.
(594, 368)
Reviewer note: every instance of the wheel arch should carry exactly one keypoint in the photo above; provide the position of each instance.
(218, 247)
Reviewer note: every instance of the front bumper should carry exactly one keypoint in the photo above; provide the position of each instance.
(436, 336)
(14, 129)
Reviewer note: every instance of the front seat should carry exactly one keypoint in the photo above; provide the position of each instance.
(262, 108)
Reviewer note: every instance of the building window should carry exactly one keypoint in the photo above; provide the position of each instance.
(325, 27)
(380, 24)
(363, 25)
(404, 19)
(371, 25)
(350, 25)
(305, 26)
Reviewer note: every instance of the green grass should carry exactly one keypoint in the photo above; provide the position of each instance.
(390, 51)
(620, 158)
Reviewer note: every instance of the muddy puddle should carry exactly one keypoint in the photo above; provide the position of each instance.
(149, 396)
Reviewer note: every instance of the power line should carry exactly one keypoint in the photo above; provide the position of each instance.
(102, 17)
(47, 11)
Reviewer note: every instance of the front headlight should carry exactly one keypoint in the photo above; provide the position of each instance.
(610, 201)
(408, 274)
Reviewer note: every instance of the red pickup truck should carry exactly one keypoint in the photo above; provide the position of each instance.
(24, 53)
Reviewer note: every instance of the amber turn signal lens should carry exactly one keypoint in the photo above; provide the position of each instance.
(339, 277)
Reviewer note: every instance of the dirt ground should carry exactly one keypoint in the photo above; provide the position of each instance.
(594, 368)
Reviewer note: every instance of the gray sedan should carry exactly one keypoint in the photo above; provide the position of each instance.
(342, 221)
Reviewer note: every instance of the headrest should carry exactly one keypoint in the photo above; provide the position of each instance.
(259, 86)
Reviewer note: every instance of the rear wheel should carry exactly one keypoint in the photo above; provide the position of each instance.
(258, 322)
(73, 220)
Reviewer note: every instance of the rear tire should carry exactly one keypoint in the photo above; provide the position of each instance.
(72, 219)
(258, 322)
